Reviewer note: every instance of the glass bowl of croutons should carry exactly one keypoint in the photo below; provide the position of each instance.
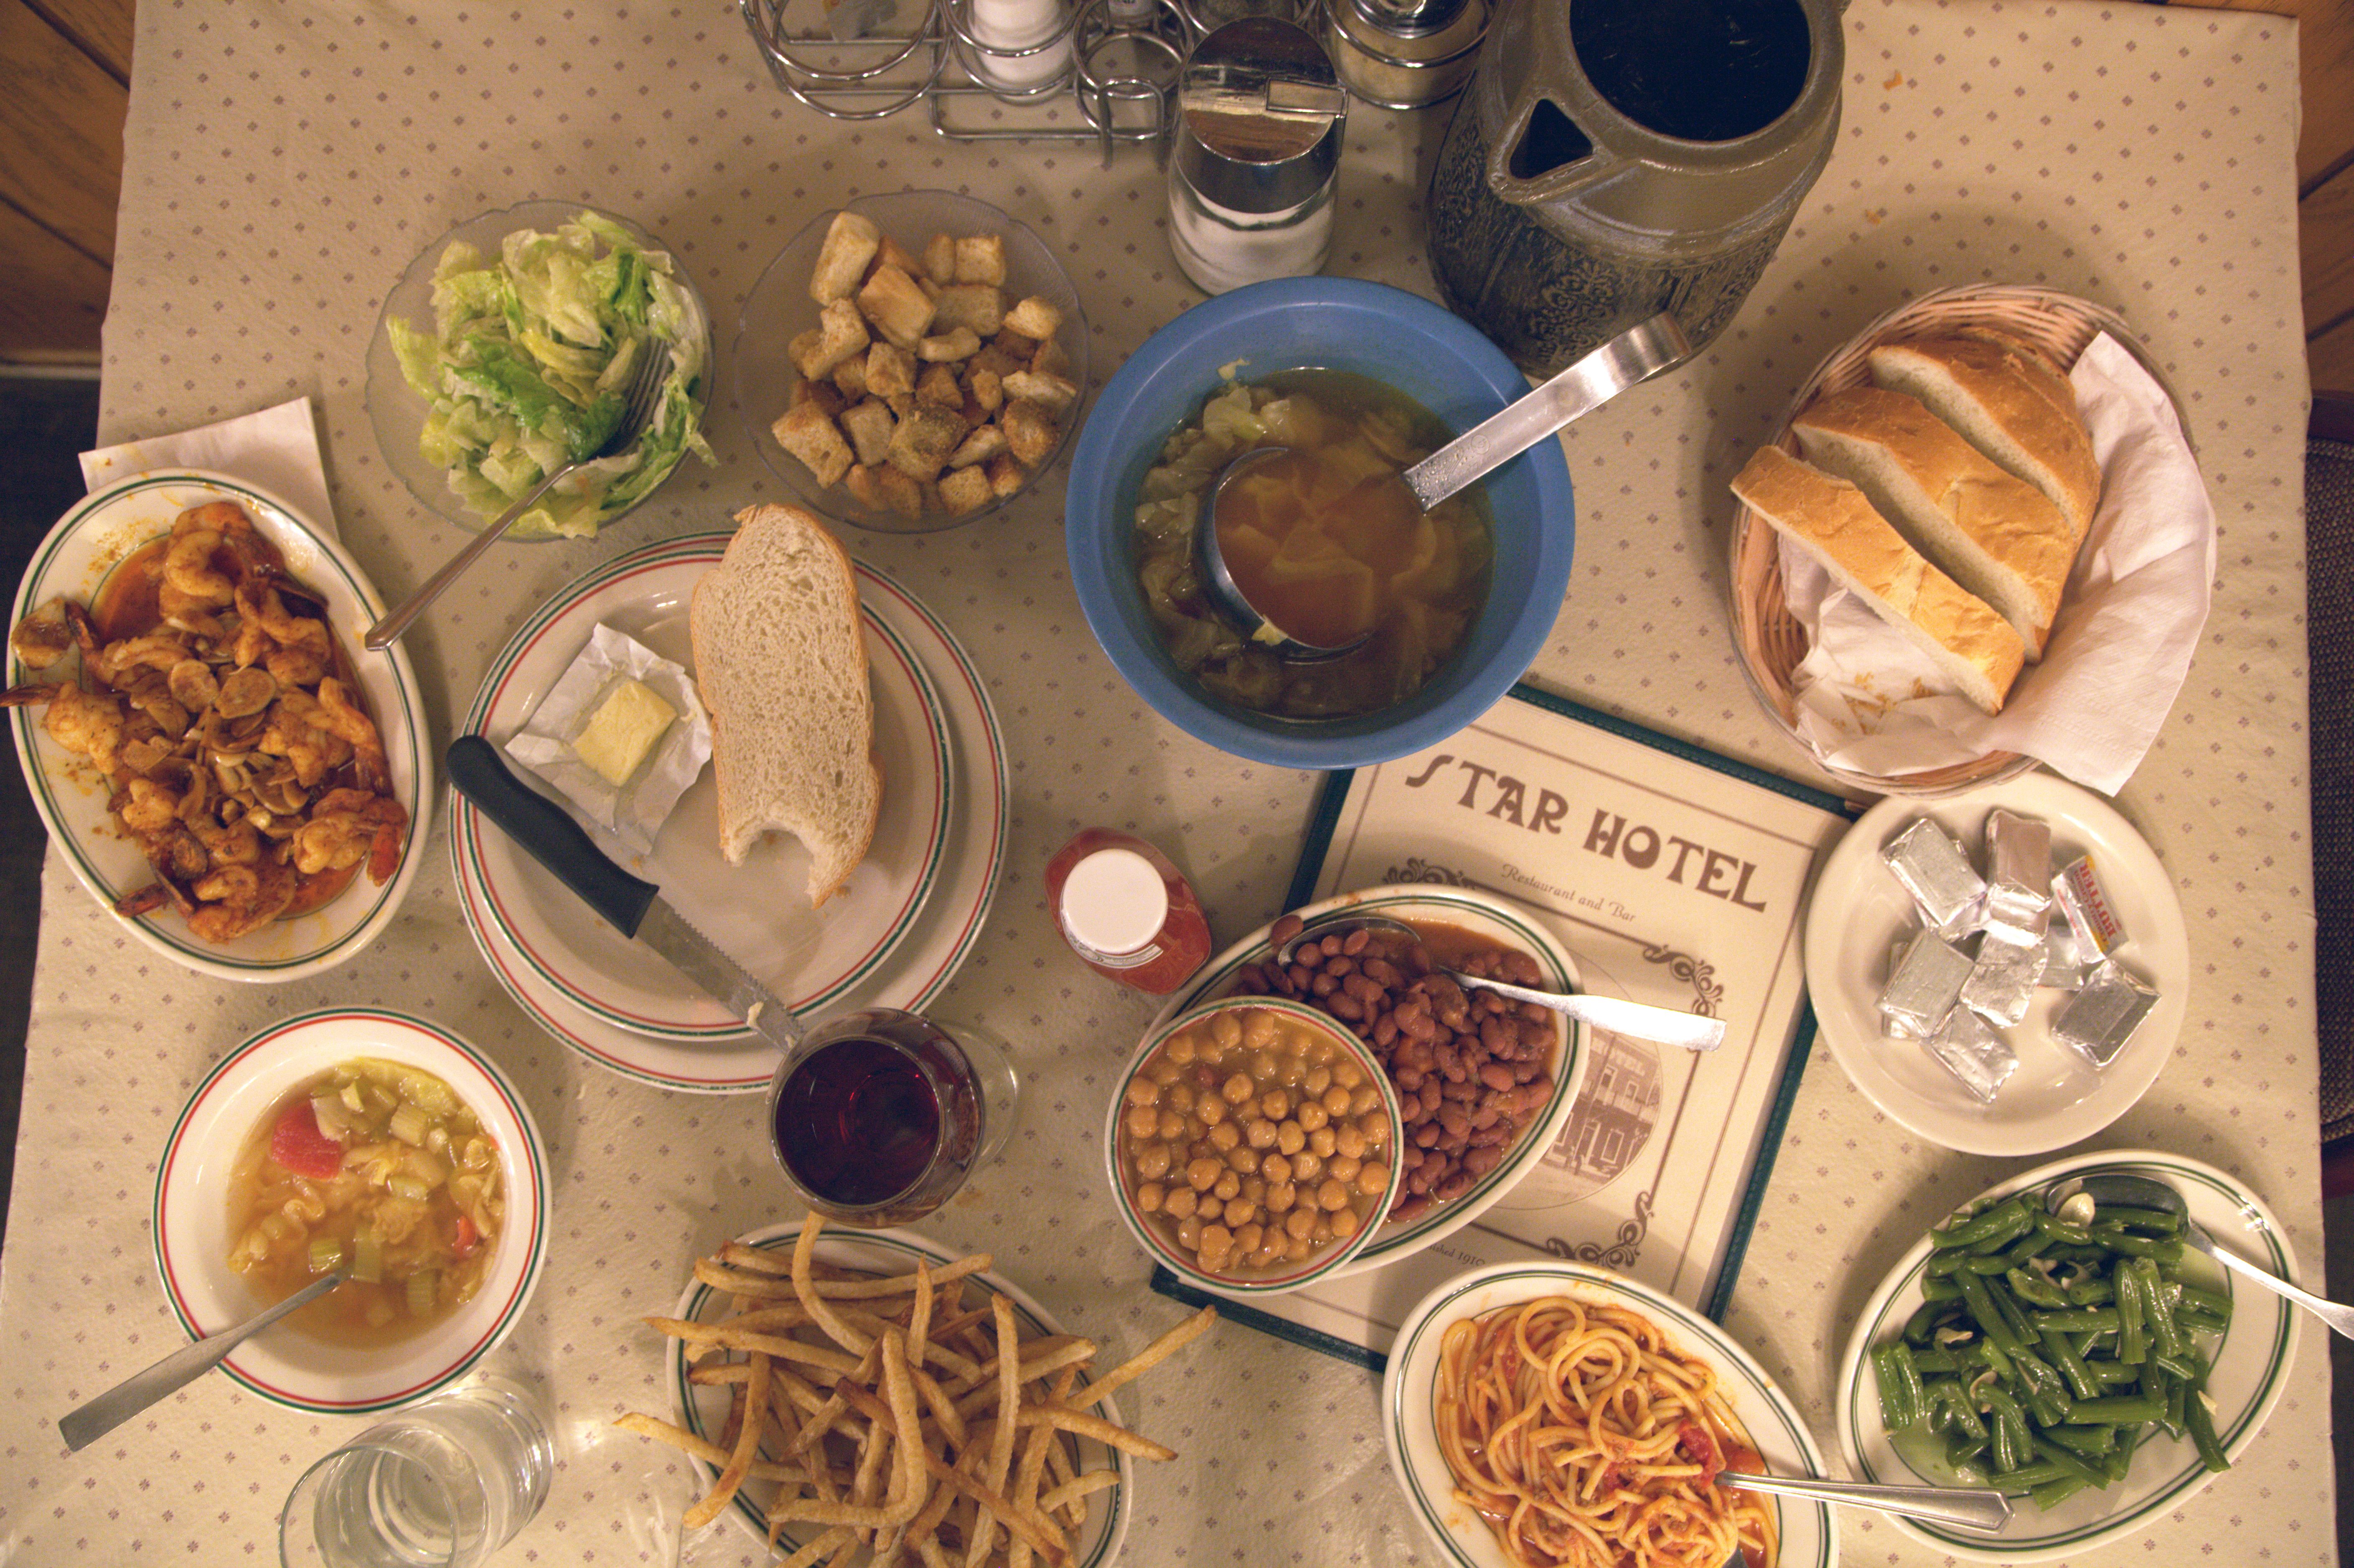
(912, 362)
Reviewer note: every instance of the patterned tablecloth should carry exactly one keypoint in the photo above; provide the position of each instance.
(286, 160)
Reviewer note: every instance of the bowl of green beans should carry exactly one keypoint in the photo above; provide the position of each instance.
(2091, 1362)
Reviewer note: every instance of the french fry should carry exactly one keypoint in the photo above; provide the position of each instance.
(747, 1446)
(906, 1427)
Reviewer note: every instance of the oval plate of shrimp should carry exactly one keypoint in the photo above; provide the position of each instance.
(223, 765)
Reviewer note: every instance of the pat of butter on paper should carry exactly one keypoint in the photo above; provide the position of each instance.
(624, 729)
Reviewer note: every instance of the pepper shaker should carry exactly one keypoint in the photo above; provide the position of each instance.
(1256, 156)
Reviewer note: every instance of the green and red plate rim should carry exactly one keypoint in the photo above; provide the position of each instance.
(465, 838)
(534, 1212)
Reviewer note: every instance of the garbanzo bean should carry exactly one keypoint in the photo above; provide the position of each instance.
(1371, 1177)
(1228, 1136)
(1348, 1139)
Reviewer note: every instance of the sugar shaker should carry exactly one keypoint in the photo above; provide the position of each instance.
(1256, 156)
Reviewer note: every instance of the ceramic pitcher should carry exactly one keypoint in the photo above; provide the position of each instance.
(1614, 158)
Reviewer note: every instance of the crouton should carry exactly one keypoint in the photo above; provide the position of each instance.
(869, 425)
(924, 440)
(985, 388)
(901, 493)
(966, 490)
(980, 259)
(894, 254)
(840, 333)
(807, 433)
(937, 387)
(1055, 392)
(1030, 431)
(980, 306)
(889, 369)
(948, 347)
(940, 259)
(898, 310)
(1006, 474)
(1034, 317)
(824, 394)
(864, 486)
(849, 377)
(850, 243)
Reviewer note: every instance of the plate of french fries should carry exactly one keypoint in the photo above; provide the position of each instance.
(800, 1355)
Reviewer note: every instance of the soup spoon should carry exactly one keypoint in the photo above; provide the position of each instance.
(2125, 1190)
(1639, 353)
(181, 1367)
(1636, 1020)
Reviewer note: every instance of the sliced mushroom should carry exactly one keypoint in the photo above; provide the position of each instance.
(246, 693)
(143, 756)
(192, 684)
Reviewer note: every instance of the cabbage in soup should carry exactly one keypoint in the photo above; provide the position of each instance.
(1326, 541)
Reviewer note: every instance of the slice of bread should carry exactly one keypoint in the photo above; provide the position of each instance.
(1834, 521)
(1997, 535)
(780, 658)
(2010, 405)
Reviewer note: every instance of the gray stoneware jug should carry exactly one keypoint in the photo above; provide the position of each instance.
(1614, 158)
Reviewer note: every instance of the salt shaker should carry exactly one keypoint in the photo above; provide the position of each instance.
(1257, 156)
(1020, 47)
(1405, 54)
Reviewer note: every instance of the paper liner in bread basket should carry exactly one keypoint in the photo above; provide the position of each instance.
(1771, 640)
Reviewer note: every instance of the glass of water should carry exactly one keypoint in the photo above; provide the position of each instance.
(442, 1484)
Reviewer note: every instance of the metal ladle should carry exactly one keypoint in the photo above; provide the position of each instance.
(2123, 1189)
(1636, 354)
(1637, 1021)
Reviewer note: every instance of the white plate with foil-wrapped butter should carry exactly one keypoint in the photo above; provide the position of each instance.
(1859, 912)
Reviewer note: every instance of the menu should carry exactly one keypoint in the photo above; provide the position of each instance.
(1676, 878)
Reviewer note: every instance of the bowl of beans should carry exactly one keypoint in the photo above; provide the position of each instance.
(1485, 1087)
(1253, 1145)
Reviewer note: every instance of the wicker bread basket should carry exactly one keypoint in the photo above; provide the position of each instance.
(1770, 639)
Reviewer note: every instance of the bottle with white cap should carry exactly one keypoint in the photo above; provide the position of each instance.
(1126, 910)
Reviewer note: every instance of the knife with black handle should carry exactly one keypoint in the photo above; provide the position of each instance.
(635, 908)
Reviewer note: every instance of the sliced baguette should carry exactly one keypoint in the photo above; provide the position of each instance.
(1836, 523)
(1998, 536)
(2009, 404)
(780, 657)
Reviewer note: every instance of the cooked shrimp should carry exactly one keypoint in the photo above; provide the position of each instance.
(85, 722)
(44, 637)
(346, 824)
(149, 807)
(157, 651)
(347, 721)
(188, 567)
(234, 900)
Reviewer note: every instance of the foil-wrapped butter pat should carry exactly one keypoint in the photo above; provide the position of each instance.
(2077, 891)
(2002, 982)
(1925, 983)
(2063, 961)
(2018, 875)
(2100, 1018)
(1936, 872)
(1979, 1059)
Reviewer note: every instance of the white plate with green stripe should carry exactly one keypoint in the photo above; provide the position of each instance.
(703, 1408)
(2251, 1370)
(1806, 1533)
(74, 562)
(1491, 919)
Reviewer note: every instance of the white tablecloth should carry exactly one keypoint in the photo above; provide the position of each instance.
(286, 160)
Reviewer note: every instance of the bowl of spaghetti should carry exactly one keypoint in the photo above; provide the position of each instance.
(1489, 1409)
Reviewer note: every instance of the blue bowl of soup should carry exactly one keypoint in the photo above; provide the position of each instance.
(1439, 364)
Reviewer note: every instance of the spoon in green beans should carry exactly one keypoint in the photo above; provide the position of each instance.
(2109, 1188)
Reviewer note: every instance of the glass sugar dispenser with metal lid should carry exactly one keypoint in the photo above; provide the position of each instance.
(1256, 158)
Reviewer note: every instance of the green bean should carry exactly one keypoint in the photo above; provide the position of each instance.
(1981, 1308)
(2163, 1330)
(2177, 1394)
(1939, 1292)
(2132, 1342)
(2017, 1253)
(1939, 1360)
(2028, 1476)
(2211, 1303)
(2034, 1290)
(2189, 1367)
(2052, 1494)
(1924, 1322)
(2084, 1439)
(2070, 1364)
(2107, 1371)
(2012, 1442)
(2120, 1458)
(1899, 1384)
(1968, 1460)
(2070, 1462)
(1998, 1224)
(2075, 1320)
(2119, 1410)
(2201, 1423)
(1949, 1391)
(2168, 1252)
(2052, 1228)
(2090, 1293)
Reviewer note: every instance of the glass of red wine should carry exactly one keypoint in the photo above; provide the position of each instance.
(878, 1116)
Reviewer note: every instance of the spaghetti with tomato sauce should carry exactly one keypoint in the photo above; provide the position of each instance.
(1586, 1439)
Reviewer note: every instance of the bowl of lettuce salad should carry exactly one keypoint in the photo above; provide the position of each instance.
(503, 352)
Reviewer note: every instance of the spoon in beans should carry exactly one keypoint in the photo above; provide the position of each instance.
(1635, 1019)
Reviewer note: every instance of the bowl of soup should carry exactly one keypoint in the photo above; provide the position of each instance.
(1363, 380)
(359, 1141)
